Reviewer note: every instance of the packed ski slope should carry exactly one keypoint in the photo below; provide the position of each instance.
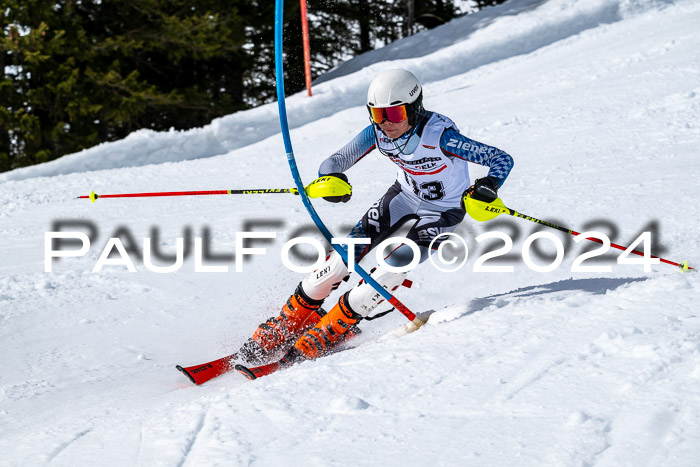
(598, 101)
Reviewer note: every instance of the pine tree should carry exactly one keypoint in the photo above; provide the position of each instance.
(484, 3)
(74, 73)
(83, 72)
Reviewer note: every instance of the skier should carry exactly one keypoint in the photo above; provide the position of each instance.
(432, 179)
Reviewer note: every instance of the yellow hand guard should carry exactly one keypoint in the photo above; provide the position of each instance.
(482, 211)
(329, 186)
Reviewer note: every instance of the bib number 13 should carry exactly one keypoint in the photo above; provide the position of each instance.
(432, 191)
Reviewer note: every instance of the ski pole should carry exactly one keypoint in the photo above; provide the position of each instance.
(94, 196)
(319, 188)
(482, 211)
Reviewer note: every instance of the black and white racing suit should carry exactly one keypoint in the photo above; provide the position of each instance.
(432, 173)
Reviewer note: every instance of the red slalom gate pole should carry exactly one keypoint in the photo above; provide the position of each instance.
(307, 47)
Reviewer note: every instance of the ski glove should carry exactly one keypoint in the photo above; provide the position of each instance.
(343, 198)
(484, 189)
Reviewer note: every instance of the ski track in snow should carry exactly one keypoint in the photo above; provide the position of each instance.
(66, 445)
(598, 102)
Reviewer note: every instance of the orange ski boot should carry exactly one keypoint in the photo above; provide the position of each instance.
(328, 332)
(298, 314)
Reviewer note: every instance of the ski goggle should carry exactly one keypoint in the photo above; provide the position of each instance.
(394, 114)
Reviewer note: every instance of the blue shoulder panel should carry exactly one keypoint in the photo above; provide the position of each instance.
(455, 144)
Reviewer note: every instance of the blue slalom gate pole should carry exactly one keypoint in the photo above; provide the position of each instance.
(279, 72)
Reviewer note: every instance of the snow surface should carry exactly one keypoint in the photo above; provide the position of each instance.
(597, 101)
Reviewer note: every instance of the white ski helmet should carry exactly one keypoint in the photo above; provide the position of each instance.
(396, 87)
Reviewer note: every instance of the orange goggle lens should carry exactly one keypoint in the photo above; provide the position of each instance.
(393, 114)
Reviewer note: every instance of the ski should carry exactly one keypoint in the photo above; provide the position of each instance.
(258, 371)
(202, 373)
(290, 358)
